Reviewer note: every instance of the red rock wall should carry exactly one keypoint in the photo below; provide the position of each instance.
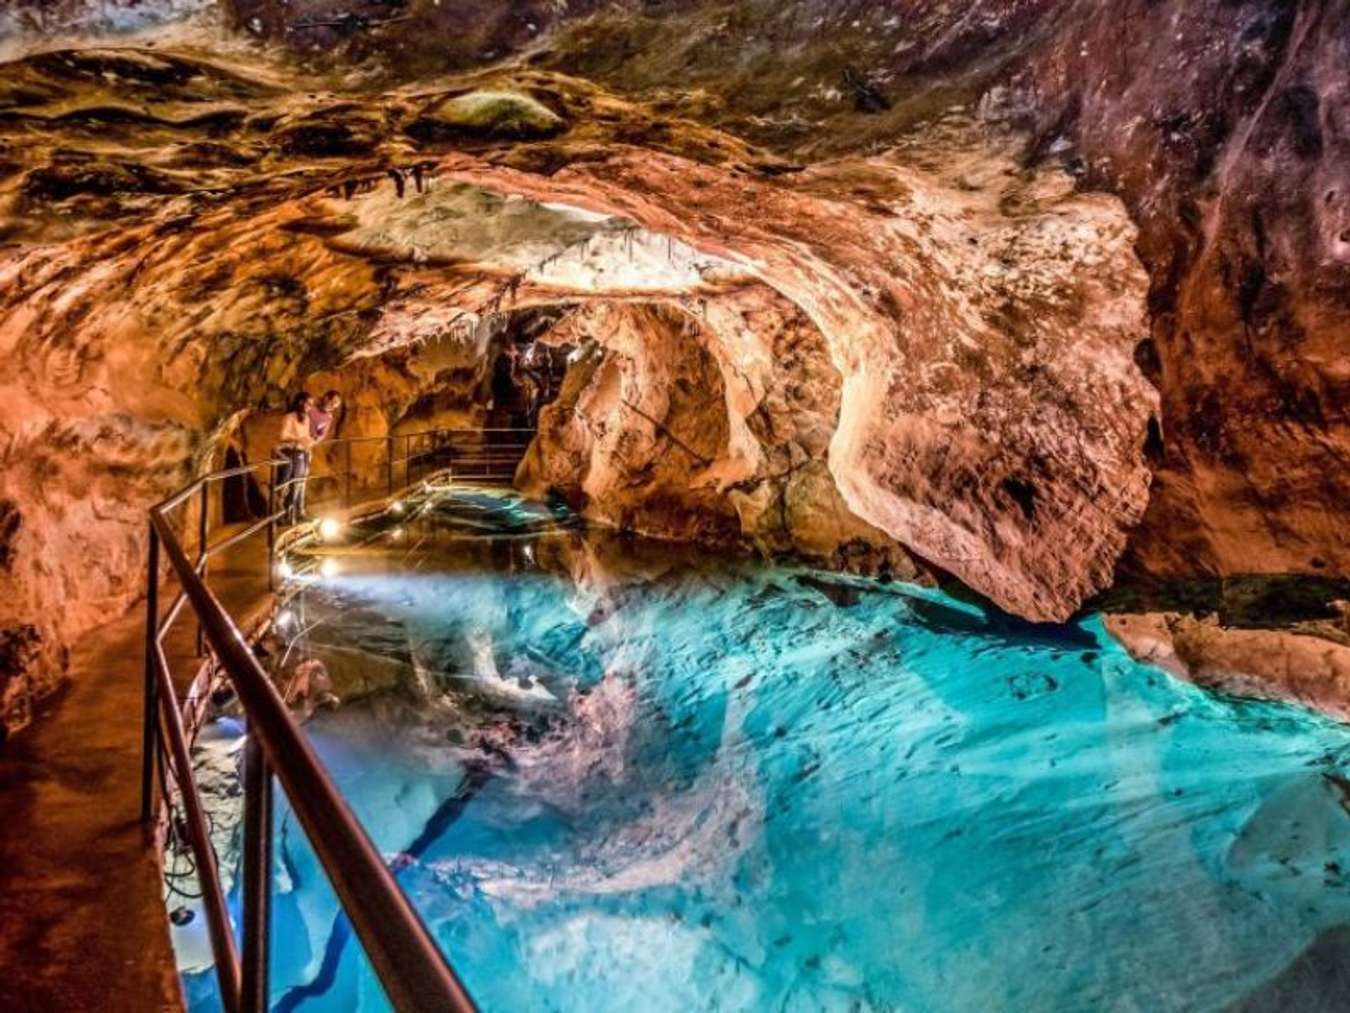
(1226, 128)
(1222, 124)
(928, 349)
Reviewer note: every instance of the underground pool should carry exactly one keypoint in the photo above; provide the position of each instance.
(613, 774)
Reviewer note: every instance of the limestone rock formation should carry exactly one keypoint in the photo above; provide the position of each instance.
(879, 358)
(503, 115)
(1220, 124)
(1307, 667)
(845, 278)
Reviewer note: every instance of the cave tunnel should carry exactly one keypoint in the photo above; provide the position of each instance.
(818, 495)
(526, 373)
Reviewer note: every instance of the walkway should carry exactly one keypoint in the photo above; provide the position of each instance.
(83, 924)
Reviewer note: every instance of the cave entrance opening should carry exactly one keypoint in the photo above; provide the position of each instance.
(522, 372)
(242, 499)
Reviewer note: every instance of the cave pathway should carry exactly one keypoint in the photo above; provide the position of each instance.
(73, 854)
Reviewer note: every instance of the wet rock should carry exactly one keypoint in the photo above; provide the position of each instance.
(1264, 663)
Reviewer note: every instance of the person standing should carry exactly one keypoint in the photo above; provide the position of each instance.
(534, 381)
(321, 417)
(294, 446)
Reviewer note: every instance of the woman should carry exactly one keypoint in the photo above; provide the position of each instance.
(293, 446)
(321, 418)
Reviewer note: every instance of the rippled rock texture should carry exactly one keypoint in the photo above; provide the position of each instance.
(910, 335)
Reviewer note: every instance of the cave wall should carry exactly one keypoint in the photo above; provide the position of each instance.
(638, 424)
(1232, 151)
(923, 339)
(709, 420)
(1222, 124)
(1225, 127)
(706, 421)
(230, 237)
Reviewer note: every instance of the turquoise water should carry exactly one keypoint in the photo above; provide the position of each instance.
(622, 776)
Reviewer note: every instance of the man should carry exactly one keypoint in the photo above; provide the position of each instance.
(322, 415)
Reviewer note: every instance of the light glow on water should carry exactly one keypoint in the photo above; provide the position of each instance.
(619, 776)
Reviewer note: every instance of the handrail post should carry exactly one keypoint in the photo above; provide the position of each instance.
(271, 523)
(202, 557)
(257, 883)
(150, 736)
(347, 494)
(389, 465)
(194, 823)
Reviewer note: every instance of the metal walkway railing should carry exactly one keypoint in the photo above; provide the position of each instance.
(409, 964)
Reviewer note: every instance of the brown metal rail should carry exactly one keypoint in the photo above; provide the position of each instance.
(409, 964)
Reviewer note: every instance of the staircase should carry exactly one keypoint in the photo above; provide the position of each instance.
(491, 454)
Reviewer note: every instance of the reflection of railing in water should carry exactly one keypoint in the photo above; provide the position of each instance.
(409, 964)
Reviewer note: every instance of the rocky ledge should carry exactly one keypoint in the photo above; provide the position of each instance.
(1283, 638)
(1307, 667)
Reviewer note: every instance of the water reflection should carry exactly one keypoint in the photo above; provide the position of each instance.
(620, 775)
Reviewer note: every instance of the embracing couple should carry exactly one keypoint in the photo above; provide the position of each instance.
(306, 423)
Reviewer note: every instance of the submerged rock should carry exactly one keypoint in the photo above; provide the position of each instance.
(1316, 981)
(739, 763)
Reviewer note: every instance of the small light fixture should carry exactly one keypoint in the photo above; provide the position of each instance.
(396, 534)
(284, 619)
(284, 570)
(396, 508)
(328, 569)
(330, 528)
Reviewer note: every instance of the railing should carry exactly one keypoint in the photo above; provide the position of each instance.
(409, 964)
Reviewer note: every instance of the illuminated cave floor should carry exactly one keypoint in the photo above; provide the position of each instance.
(630, 777)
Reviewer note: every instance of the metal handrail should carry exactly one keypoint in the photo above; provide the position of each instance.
(405, 957)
